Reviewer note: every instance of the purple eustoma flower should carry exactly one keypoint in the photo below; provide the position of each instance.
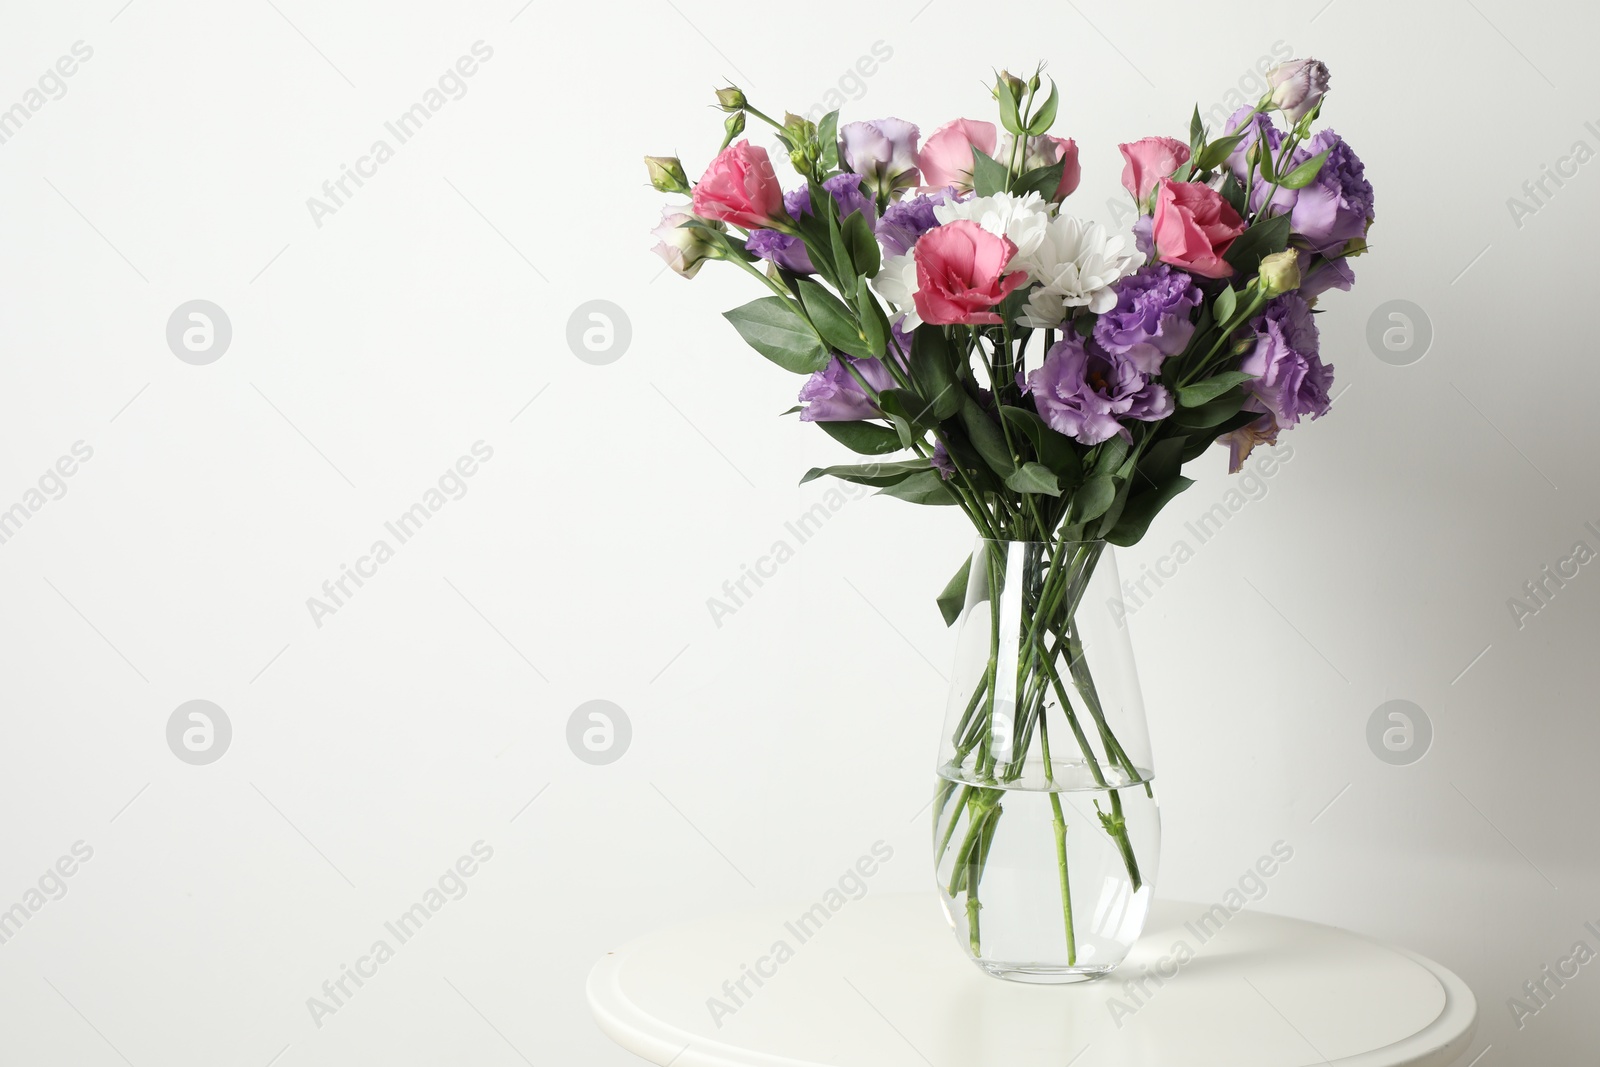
(833, 394)
(1084, 391)
(1334, 208)
(1152, 318)
(883, 152)
(1337, 206)
(906, 220)
(1290, 380)
(788, 251)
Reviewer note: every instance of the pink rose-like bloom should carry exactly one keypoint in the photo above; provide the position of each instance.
(1193, 226)
(740, 187)
(959, 267)
(946, 156)
(1047, 151)
(1150, 160)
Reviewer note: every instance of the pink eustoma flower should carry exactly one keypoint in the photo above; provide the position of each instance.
(959, 274)
(1148, 161)
(1193, 226)
(946, 156)
(740, 187)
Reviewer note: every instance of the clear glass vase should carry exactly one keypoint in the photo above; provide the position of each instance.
(1045, 829)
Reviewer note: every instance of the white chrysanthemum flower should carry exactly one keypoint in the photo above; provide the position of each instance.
(1021, 219)
(896, 282)
(1076, 265)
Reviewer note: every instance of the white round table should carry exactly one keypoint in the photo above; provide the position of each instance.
(882, 983)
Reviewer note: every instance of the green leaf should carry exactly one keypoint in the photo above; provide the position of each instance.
(1160, 462)
(1141, 508)
(954, 595)
(877, 474)
(1043, 180)
(1211, 413)
(832, 319)
(1053, 449)
(1033, 478)
(1113, 514)
(1233, 192)
(988, 175)
(867, 438)
(861, 245)
(1219, 150)
(1092, 499)
(1306, 173)
(1259, 241)
(986, 437)
(1227, 300)
(814, 232)
(1045, 117)
(874, 324)
(925, 487)
(774, 327)
(1110, 454)
(905, 404)
(1197, 132)
(1010, 117)
(1201, 392)
(828, 140)
(934, 371)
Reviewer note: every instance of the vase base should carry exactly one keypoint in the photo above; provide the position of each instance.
(1042, 974)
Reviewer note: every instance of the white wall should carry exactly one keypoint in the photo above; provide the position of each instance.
(372, 351)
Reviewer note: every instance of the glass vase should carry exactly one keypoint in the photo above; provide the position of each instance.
(1045, 828)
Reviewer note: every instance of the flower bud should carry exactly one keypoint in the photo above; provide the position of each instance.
(1017, 85)
(1297, 86)
(735, 125)
(666, 174)
(1280, 272)
(685, 248)
(731, 99)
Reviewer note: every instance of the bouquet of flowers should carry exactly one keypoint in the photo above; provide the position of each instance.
(1045, 375)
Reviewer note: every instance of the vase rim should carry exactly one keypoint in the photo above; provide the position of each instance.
(1043, 544)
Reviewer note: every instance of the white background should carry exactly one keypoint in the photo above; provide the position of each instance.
(767, 754)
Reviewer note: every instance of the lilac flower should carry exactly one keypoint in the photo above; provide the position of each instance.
(942, 462)
(1260, 126)
(1083, 391)
(846, 190)
(1144, 237)
(788, 251)
(833, 394)
(1290, 379)
(1241, 442)
(1151, 320)
(883, 152)
(905, 220)
(1318, 275)
(1337, 206)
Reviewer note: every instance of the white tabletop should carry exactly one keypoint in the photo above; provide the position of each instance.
(883, 984)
